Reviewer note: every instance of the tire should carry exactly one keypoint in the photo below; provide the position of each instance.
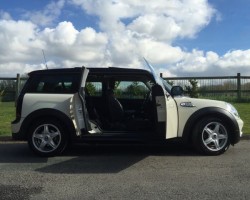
(211, 136)
(47, 137)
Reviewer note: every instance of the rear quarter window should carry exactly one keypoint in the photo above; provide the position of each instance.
(53, 83)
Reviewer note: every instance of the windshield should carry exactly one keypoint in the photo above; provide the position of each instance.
(166, 85)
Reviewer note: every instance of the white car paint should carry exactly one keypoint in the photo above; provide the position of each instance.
(33, 102)
(184, 113)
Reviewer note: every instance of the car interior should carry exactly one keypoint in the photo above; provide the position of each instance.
(120, 103)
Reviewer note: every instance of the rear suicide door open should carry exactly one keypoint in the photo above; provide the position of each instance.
(78, 110)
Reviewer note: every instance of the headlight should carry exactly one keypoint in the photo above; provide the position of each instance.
(232, 109)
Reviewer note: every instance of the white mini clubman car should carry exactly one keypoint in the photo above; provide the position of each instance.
(59, 106)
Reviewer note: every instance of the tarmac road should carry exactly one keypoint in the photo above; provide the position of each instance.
(124, 172)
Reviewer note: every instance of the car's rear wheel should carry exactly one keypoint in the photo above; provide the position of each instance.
(47, 137)
(211, 136)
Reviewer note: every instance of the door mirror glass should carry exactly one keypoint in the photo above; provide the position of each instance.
(177, 91)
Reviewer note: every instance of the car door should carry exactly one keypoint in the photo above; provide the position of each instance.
(166, 108)
(172, 117)
(78, 110)
(165, 113)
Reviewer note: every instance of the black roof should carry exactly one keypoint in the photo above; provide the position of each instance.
(57, 71)
(100, 70)
(118, 70)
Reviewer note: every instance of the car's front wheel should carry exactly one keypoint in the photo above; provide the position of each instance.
(211, 136)
(47, 138)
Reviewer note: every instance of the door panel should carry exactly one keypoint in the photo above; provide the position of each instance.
(172, 118)
(166, 113)
(171, 114)
(77, 113)
(161, 108)
(78, 108)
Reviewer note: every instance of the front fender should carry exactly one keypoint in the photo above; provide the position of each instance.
(212, 112)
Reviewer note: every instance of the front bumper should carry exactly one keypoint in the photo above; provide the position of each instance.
(240, 124)
(238, 133)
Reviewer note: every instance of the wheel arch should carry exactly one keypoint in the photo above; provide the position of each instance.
(46, 114)
(212, 112)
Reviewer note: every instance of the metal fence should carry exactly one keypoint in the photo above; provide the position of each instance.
(227, 88)
(10, 88)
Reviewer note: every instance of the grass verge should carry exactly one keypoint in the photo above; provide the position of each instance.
(7, 114)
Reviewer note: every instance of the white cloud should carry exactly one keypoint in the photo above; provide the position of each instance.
(128, 30)
(11, 69)
(18, 39)
(24, 42)
(199, 63)
(147, 28)
(159, 52)
(235, 59)
(162, 19)
(191, 63)
(66, 43)
(64, 34)
(160, 27)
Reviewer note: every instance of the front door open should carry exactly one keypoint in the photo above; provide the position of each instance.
(165, 113)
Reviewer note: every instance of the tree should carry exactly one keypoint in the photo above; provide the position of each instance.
(136, 89)
(192, 89)
(91, 88)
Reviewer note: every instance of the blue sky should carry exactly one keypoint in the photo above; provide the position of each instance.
(180, 38)
(230, 32)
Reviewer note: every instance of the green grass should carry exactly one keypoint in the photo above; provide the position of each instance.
(7, 114)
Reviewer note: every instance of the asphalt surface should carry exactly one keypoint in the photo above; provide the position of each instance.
(124, 172)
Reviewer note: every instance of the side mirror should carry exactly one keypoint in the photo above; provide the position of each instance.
(177, 91)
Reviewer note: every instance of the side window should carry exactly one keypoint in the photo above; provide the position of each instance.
(52, 83)
(130, 90)
(94, 88)
(40, 87)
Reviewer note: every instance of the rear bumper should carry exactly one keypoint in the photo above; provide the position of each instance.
(17, 134)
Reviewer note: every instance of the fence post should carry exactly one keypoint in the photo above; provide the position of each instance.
(238, 87)
(17, 87)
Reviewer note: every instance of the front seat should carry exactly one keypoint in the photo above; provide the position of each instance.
(115, 110)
